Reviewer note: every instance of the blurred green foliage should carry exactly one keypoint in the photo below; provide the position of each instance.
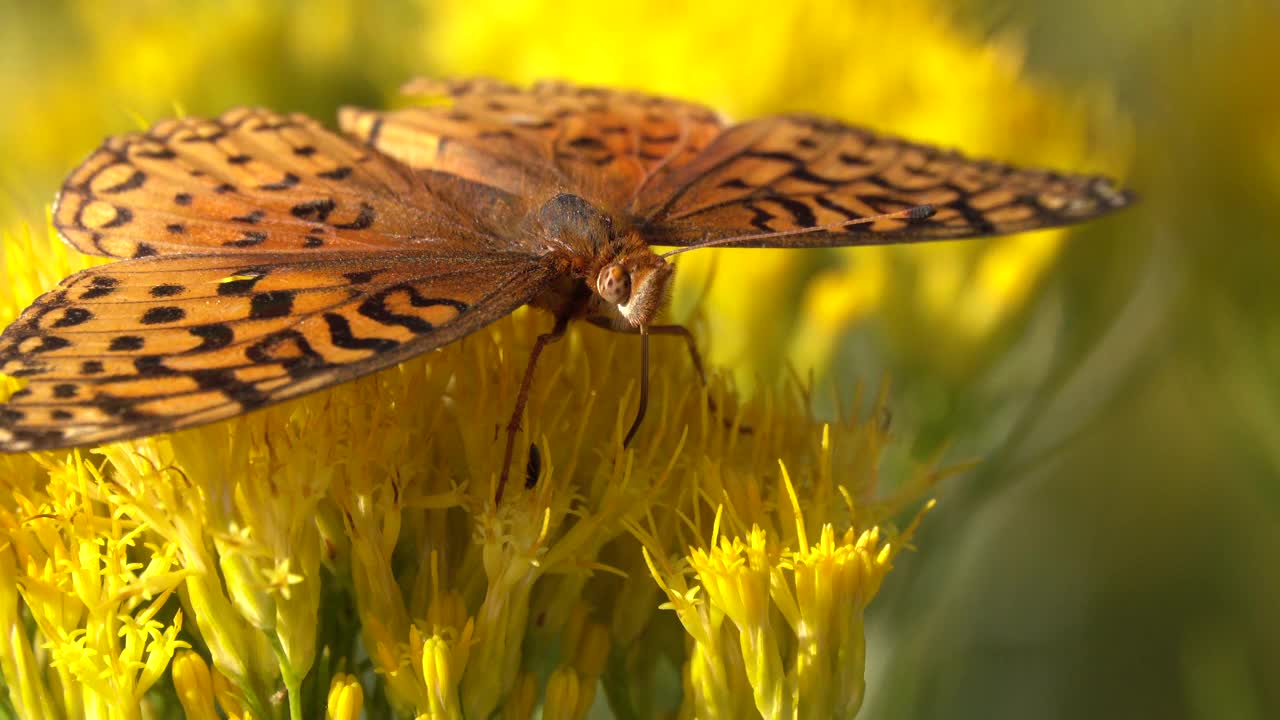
(1116, 554)
(73, 70)
(1131, 570)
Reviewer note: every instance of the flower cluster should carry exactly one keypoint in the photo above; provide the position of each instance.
(349, 542)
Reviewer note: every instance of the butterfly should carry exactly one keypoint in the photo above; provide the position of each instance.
(262, 256)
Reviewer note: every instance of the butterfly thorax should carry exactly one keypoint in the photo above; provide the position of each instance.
(604, 269)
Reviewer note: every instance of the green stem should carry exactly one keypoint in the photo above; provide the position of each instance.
(292, 683)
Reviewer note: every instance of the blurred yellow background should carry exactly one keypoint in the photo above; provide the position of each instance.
(1116, 553)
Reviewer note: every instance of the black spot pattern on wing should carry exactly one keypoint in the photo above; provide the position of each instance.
(162, 314)
(794, 173)
(217, 338)
(272, 304)
(191, 185)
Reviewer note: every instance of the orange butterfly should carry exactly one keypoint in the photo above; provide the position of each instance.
(265, 257)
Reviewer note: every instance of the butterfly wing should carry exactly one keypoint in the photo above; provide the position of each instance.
(254, 181)
(268, 257)
(685, 178)
(157, 344)
(604, 145)
(788, 173)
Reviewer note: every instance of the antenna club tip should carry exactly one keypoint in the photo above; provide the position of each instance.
(921, 212)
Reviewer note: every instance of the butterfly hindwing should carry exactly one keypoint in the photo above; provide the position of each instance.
(157, 344)
(604, 145)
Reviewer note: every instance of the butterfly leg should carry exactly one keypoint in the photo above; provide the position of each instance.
(545, 339)
(695, 358)
(644, 387)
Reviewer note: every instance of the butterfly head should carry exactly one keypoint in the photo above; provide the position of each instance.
(631, 282)
(635, 283)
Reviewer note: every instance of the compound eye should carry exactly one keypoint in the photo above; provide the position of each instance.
(614, 284)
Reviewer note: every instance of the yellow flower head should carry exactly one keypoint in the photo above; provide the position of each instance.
(346, 698)
(450, 591)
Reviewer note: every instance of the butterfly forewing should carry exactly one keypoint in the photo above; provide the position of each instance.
(249, 181)
(158, 344)
(788, 173)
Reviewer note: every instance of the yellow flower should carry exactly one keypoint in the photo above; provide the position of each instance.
(194, 685)
(93, 586)
(442, 668)
(812, 666)
(346, 698)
